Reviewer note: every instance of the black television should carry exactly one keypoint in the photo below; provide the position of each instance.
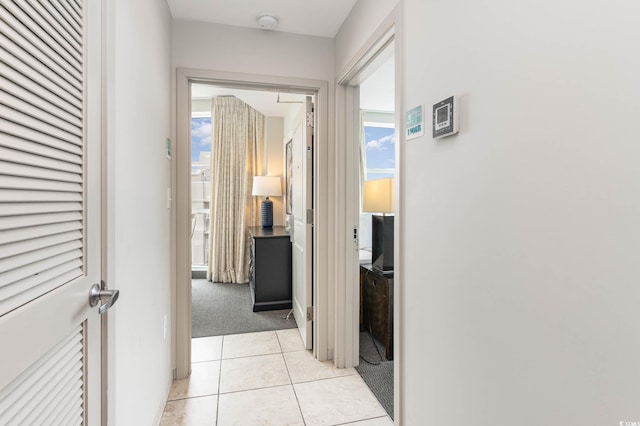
(382, 243)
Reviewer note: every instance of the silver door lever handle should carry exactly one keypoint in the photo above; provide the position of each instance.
(98, 294)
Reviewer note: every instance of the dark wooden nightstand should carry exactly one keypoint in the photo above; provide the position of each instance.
(376, 305)
(270, 268)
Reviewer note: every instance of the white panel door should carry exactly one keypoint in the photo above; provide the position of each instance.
(302, 240)
(50, 211)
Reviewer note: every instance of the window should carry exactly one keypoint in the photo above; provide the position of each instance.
(378, 160)
(200, 188)
(378, 145)
(200, 141)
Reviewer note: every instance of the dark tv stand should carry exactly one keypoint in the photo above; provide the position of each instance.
(376, 305)
(270, 268)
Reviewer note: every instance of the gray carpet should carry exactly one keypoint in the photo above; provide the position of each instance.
(376, 371)
(220, 309)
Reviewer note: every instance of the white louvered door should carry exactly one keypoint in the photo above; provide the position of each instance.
(50, 211)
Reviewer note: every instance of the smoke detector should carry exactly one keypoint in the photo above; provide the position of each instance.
(267, 21)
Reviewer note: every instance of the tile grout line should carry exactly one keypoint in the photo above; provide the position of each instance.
(322, 379)
(251, 356)
(258, 354)
(386, 415)
(255, 389)
(192, 397)
(373, 394)
(295, 394)
(202, 362)
(363, 420)
(219, 381)
(278, 339)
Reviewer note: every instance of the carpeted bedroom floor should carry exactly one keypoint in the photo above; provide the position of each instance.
(220, 309)
(376, 370)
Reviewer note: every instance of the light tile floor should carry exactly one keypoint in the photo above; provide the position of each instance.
(268, 378)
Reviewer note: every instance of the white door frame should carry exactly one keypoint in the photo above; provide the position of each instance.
(347, 167)
(323, 204)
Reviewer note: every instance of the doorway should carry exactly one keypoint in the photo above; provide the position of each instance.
(377, 171)
(375, 155)
(184, 223)
(374, 55)
(241, 305)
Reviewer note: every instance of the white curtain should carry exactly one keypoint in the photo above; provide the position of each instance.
(237, 150)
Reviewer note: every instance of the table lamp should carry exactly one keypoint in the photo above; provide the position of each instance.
(378, 197)
(266, 186)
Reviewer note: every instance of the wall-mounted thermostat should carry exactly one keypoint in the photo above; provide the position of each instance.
(445, 117)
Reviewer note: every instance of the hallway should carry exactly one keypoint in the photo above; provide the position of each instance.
(267, 378)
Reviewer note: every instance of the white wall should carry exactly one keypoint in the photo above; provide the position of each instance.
(138, 91)
(521, 234)
(226, 48)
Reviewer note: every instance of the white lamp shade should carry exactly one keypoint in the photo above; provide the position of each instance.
(267, 186)
(378, 196)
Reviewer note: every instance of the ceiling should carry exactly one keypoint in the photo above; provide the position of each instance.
(321, 18)
(265, 102)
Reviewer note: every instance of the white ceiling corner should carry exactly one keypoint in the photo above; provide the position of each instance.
(309, 17)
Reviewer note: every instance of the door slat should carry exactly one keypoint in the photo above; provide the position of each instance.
(13, 169)
(40, 103)
(38, 161)
(28, 258)
(30, 245)
(44, 79)
(19, 144)
(21, 209)
(27, 222)
(14, 275)
(15, 196)
(57, 376)
(39, 231)
(61, 99)
(13, 129)
(64, 26)
(40, 285)
(72, 13)
(48, 380)
(43, 115)
(34, 26)
(24, 46)
(14, 182)
(32, 122)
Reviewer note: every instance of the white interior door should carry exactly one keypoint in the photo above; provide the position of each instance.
(302, 208)
(50, 221)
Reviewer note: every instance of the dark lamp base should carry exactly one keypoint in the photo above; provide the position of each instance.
(267, 213)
